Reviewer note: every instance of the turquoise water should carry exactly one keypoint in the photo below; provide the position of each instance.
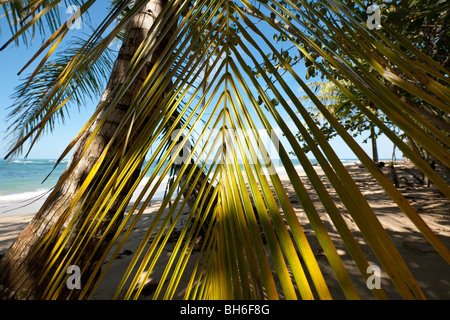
(20, 179)
(23, 179)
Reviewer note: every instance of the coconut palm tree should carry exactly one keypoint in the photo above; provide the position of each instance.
(185, 65)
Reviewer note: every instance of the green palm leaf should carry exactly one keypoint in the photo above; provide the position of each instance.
(30, 94)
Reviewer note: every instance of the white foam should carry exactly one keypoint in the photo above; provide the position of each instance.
(15, 197)
(37, 161)
(31, 195)
(25, 161)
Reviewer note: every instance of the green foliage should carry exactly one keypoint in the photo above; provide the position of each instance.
(28, 109)
(422, 22)
(48, 17)
(353, 120)
(224, 67)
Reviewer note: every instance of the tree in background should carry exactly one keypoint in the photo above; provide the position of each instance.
(346, 112)
(162, 85)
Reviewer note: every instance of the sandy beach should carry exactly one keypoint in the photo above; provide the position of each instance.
(429, 269)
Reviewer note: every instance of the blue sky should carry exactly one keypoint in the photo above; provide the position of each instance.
(51, 145)
(12, 59)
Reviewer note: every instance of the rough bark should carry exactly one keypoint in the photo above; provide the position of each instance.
(394, 175)
(20, 273)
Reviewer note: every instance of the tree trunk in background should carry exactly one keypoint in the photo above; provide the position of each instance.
(374, 144)
(20, 273)
(394, 175)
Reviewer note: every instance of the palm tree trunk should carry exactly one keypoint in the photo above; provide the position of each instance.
(19, 273)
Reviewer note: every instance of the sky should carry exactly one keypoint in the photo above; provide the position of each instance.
(13, 58)
(53, 144)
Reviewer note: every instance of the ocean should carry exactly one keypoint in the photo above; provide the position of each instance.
(23, 180)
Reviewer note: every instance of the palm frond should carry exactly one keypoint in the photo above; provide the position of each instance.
(27, 18)
(29, 95)
(250, 227)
